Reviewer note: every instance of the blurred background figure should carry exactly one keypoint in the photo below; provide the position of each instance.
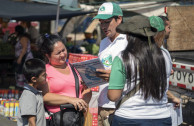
(90, 44)
(22, 53)
(167, 29)
(71, 46)
(31, 30)
(4, 34)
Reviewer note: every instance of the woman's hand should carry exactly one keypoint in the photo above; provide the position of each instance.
(104, 74)
(79, 104)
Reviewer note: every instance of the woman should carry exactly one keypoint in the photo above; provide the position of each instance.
(61, 82)
(140, 64)
(22, 53)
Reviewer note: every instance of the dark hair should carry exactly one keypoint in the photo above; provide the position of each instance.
(164, 18)
(21, 31)
(159, 38)
(149, 64)
(116, 17)
(46, 43)
(28, 24)
(33, 68)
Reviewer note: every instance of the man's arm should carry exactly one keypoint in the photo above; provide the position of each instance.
(174, 99)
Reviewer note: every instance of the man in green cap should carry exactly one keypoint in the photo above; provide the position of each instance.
(110, 16)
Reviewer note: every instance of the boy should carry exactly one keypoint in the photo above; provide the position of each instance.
(31, 108)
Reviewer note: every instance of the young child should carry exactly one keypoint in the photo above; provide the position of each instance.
(31, 108)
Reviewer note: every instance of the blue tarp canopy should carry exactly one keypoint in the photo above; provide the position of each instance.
(33, 11)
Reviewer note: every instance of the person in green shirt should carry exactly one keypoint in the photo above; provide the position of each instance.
(142, 65)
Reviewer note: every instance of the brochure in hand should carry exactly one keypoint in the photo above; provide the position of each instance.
(87, 70)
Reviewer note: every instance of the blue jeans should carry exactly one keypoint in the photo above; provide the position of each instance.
(119, 121)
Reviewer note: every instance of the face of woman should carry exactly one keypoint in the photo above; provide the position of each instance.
(59, 55)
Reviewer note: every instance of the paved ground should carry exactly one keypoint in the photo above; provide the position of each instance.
(187, 111)
(6, 122)
(188, 114)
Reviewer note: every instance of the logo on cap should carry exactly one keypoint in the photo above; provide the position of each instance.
(102, 8)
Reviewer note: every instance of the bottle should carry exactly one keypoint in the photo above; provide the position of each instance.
(16, 109)
(16, 94)
(11, 109)
(6, 109)
(5, 95)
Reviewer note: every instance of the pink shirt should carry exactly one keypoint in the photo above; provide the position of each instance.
(61, 84)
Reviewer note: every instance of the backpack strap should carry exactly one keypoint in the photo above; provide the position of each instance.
(127, 96)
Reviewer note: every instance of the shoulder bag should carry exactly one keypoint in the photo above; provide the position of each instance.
(69, 116)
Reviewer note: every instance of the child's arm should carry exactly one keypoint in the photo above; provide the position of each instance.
(32, 120)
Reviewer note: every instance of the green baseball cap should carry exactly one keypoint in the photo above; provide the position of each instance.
(108, 10)
(139, 25)
(157, 23)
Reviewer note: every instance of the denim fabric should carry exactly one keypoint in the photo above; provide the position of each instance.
(119, 121)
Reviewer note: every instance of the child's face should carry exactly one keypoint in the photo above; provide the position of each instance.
(42, 78)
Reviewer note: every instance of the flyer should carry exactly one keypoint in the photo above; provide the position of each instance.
(87, 70)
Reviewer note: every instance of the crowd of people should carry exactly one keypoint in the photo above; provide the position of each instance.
(137, 70)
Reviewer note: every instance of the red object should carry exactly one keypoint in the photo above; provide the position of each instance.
(75, 57)
(181, 85)
(10, 28)
(165, 10)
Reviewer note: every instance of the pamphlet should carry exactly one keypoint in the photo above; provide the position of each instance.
(87, 70)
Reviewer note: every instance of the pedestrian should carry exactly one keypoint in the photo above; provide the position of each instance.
(31, 108)
(160, 37)
(110, 16)
(61, 85)
(138, 75)
(159, 24)
(22, 53)
(167, 29)
(31, 30)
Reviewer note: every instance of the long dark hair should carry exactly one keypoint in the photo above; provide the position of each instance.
(149, 65)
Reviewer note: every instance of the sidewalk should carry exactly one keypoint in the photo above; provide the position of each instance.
(6, 122)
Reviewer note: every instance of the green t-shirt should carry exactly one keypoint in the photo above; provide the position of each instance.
(118, 74)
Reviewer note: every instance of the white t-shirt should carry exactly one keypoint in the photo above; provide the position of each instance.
(108, 51)
(168, 62)
(136, 107)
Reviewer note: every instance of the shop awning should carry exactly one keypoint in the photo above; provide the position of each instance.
(32, 11)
